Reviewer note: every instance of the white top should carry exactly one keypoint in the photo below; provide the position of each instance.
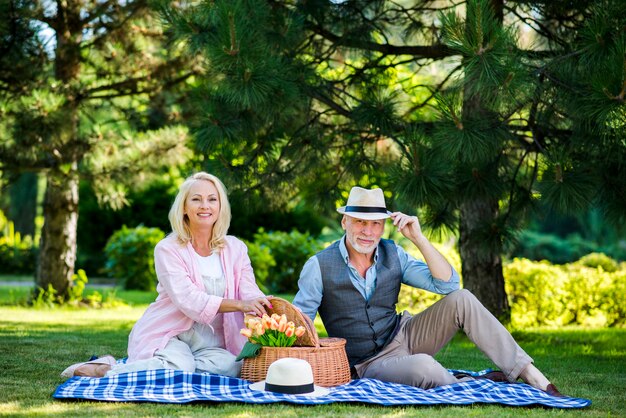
(212, 274)
(214, 284)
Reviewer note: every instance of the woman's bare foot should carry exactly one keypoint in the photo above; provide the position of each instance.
(92, 370)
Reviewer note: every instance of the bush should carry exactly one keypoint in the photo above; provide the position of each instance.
(17, 255)
(149, 206)
(589, 292)
(596, 260)
(541, 293)
(262, 262)
(416, 300)
(289, 252)
(129, 257)
(535, 291)
(18, 259)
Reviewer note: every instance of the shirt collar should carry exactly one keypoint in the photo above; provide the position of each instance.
(344, 250)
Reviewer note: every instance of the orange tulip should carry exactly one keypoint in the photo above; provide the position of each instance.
(246, 332)
(266, 320)
(273, 324)
(252, 322)
(290, 331)
(282, 324)
(300, 331)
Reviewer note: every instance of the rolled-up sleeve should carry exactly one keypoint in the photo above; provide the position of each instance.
(310, 288)
(416, 273)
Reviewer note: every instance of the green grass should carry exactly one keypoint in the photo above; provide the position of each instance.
(36, 345)
(15, 290)
(16, 278)
(18, 295)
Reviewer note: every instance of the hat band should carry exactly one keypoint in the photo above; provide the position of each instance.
(290, 390)
(365, 209)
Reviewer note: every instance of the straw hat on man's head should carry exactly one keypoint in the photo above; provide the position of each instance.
(365, 204)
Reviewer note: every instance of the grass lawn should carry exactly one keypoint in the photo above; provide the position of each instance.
(36, 345)
(16, 278)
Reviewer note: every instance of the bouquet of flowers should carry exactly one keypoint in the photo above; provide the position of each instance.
(271, 331)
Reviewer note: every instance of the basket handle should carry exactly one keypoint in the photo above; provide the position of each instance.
(282, 306)
(310, 326)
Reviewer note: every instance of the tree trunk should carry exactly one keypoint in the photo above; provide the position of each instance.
(482, 267)
(57, 250)
(482, 264)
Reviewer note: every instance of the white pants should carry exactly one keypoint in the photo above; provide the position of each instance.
(187, 352)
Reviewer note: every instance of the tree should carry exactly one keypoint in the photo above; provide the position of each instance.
(79, 83)
(469, 121)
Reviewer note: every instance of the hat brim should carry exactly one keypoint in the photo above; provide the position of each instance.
(319, 391)
(369, 216)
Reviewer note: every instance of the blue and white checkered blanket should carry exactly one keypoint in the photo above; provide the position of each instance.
(173, 386)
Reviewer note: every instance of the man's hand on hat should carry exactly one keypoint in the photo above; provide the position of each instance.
(409, 226)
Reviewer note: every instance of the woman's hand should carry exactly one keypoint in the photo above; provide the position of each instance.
(255, 306)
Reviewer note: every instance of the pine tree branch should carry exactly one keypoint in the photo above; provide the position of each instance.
(370, 65)
(38, 13)
(316, 94)
(131, 166)
(437, 51)
(540, 28)
(108, 29)
(434, 92)
(418, 10)
(130, 86)
(103, 9)
(513, 183)
(46, 157)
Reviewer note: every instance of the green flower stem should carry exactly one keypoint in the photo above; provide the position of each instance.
(274, 338)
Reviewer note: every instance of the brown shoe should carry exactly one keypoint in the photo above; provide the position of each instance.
(553, 391)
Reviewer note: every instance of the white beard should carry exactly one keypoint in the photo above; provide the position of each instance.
(362, 249)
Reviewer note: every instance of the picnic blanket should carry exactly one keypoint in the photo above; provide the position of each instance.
(174, 386)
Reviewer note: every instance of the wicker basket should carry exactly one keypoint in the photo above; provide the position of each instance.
(327, 356)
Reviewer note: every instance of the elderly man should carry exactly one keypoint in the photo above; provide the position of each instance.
(355, 282)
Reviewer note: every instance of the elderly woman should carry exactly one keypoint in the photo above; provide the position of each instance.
(205, 286)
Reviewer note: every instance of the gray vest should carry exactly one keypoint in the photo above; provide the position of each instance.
(366, 325)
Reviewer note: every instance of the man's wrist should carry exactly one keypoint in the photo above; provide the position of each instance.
(420, 240)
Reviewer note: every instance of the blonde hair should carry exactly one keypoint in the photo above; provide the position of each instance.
(180, 221)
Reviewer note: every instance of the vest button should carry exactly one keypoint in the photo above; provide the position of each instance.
(367, 306)
(371, 324)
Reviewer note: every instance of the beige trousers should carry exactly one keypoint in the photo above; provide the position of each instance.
(408, 358)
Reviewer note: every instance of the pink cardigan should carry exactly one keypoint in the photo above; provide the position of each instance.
(182, 300)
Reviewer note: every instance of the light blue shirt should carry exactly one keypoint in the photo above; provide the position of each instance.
(415, 273)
